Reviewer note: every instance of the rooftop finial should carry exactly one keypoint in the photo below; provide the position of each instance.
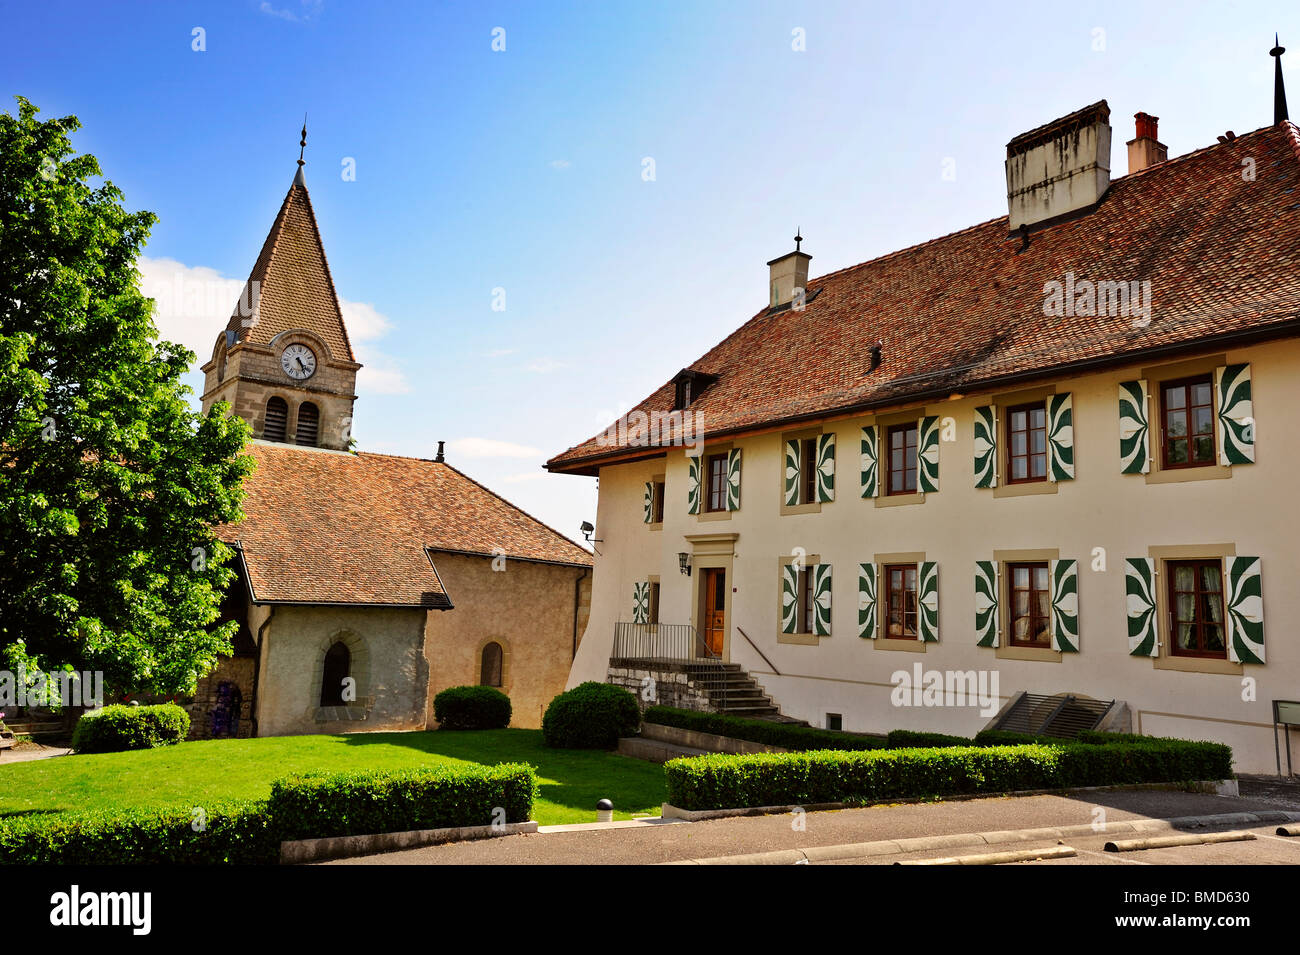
(302, 143)
(1279, 90)
(797, 238)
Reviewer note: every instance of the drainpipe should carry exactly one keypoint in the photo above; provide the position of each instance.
(577, 597)
(257, 670)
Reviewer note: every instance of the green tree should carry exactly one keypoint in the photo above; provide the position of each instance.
(110, 483)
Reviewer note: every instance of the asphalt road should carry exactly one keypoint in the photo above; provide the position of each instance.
(741, 836)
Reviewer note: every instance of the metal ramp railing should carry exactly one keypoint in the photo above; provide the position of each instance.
(1062, 715)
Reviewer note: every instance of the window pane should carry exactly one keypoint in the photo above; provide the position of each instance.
(1201, 420)
(1021, 576)
(1184, 577)
(1186, 636)
(1213, 634)
(1038, 418)
(1039, 443)
(1038, 465)
(1177, 426)
(1211, 578)
(1201, 394)
(1175, 397)
(1019, 468)
(1018, 442)
(1204, 449)
(1020, 606)
(1186, 607)
(1178, 451)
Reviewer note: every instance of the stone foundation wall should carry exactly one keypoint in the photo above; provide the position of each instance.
(659, 688)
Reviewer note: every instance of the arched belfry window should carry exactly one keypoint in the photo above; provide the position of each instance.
(490, 674)
(277, 418)
(338, 666)
(308, 424)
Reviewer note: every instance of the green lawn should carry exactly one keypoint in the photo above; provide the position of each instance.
(189, 774)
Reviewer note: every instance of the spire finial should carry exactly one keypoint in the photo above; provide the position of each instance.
(1279, 89)
(302, 143)
(797, 238)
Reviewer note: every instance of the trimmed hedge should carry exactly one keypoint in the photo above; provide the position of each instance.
(785, 735)
(301, 807)
(471, 708)
(910, 739)
(780, 779)
(314, 805)
(233, 832)
(590, 716)
(119, 727)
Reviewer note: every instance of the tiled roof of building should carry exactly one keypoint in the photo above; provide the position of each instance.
(295, 289)
(331, 527)
(1216, 232)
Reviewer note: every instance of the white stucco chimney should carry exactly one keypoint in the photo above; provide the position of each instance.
(1060, 168)
(786, 274)
(1145, 149)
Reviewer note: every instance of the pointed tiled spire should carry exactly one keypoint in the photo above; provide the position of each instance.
(294, 289)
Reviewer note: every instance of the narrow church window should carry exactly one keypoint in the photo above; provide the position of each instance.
(277, 417)
(338, 661)
(491, 669)
(308, 424)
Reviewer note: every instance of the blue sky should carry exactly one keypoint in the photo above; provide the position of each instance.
(523, 169)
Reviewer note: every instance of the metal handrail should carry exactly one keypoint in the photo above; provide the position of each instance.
(665, 643)
(758, 651)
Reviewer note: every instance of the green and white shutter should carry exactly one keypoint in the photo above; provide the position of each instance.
(1134, 437)
(867, 601)
(693, 485)
(1245, 610)
(825, 468)
(1235, 414)
(986, 450)
(927, 454)
(986, 603)
(1140, 598)
(793, 469)
(822, 599)
(641, 602)
(870, 462)
(733, 479)
(927, 599)
(648, 502)
(789, 598)
(1060, 437)
(1065, 605)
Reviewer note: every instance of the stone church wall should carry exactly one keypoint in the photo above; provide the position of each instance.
(223, 701)
(528, 608)
(387, 662)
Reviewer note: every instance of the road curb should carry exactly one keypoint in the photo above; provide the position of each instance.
(862, 850)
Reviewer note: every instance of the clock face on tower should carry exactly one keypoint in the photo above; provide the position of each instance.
(298, 362)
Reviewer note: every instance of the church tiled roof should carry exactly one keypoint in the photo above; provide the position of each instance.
(324, 527)
(1215, 232)
(294, 287)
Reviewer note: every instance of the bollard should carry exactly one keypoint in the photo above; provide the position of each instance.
(604, 811)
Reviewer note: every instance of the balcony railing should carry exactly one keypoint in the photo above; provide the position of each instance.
(661, 643)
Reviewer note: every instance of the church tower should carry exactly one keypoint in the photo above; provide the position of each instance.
(284, 362)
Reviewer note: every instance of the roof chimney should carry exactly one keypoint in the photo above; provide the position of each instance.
(787, 273)
(1060, 168)
(1145, 149)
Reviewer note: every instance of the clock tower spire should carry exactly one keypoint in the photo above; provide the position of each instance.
(284, 361)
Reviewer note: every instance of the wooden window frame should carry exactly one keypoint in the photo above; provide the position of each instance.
(657, 502)
(1029, 455)
(1199, 623)
(808, 471)
(652, 604)
(807, 599)
(890, 431)
(1010, 575)
(1186, 385)
(887, 574)
(717, 483)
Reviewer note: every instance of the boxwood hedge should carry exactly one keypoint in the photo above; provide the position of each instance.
(784, 735)
(300, 807)
(119, 727)
(590, 716)
(779, 779)
(471, 708)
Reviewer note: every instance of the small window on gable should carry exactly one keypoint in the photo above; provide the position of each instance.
(490, 669)
(277, 419)
(716, 474)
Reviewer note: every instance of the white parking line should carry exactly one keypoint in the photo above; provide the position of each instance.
(1113, 857)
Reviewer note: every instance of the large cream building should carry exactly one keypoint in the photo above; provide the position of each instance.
(1050, 454)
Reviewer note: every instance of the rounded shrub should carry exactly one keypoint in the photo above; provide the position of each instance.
(471, 708)
(118, 727)
(590, 716)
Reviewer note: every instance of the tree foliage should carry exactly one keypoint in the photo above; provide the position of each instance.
(110, 483)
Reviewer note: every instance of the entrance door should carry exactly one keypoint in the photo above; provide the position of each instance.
(715, 608)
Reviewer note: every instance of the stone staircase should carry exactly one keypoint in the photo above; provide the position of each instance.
(730, 689)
